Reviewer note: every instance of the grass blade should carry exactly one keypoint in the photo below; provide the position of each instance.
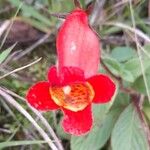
(5, 53)
(19, 143)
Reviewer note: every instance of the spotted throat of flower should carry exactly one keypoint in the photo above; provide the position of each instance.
(74, 97)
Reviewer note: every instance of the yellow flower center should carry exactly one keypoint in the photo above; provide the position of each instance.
(74, 97)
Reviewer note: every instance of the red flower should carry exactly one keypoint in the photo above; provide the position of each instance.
(77, 44)
(73, 86)
(73, 94)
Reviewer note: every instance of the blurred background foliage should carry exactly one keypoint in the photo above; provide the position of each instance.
(28, 31)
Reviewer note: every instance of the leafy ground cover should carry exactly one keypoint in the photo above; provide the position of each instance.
(28, 30)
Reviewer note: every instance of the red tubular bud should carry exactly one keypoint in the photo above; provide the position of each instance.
(77, 44)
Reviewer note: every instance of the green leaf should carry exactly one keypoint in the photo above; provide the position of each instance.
(18, 143)
(5, 53)
(147, 48)
(147, 111)
(99, 135)
(30, 11)
(121, 100)
(110, 30)
(122, 54)
(118, 69)
(100, 109)
(83, 3)
(128, 133)
(139, 84)
(134, 66)
(128, 71)
(113, 65)
(49, 3)
(37, 24)
(127, 75)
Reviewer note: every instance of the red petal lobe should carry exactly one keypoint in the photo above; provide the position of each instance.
(53, 76)
(66, 76)
(77, 123)
(104, 88)
(39, 97)
(77, 44)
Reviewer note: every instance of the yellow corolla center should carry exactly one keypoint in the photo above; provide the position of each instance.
(74, 97)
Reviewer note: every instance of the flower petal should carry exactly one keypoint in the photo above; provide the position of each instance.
(104, 88)
(66, 76)
(77, 44)
(39, 97)
(77, 123)
(53, 76)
